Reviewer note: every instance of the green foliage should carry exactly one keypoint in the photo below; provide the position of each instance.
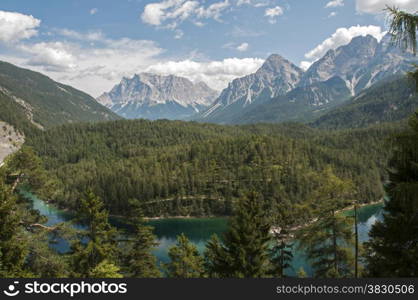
(189, 169)
(46, 102)
(42, 260)
(98, 242)
(244, 252)
(301, 273)
(15, 115)
(328, 239)
(185, 260)
(106, 269)
(403, 28)
(391, 100)
(281, 252)
(392, 250)
(27, 169)
(13, 244)
(140, 261)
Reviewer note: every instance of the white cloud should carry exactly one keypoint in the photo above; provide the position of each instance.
(255, 3)
(93, 68)
(304, 65)
(343, 36)
(170, 13)
(15, 26)
(94, 11)
(377, 6)
(51, 56)
(335, 3)
(213, 11)
(89, 36)
(332, 14)
(217, 74)
(96, 68)
(273, 13)
(243, 47)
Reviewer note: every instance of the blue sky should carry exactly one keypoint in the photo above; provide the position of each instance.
(92, 44)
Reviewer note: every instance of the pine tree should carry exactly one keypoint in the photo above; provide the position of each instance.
(101, 242)
(244, 252)
(13, 243)
(185, 260)
(281, 254)
(392, 250)
(328, 239)
(106, 269)
(141, 262)
(404, 27)
(301, 273)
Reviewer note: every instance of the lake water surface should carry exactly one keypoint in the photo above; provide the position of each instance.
(198, 230)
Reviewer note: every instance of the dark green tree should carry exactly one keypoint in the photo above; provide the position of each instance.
(328, 239)
(244, 252)
(140, 261)
(404, 27)
(13, 243)
(281, 253)
(106, 269)
(185, 260)
(392, 250)
(97, 242)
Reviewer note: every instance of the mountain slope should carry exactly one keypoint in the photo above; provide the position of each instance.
(300, 104)
(275, 77)
(333, 79)
(10, 140)
(29, 99)
(390, 100)
(151, 96)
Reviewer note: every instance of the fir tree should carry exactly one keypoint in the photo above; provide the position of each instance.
(97, 242)
(404, 27)
(13, 243)
(301, 273)
(185, 260)
(244, 252)
(106, 269)
(392, 250)
(328, 239)
(281, 254)
(141, 262)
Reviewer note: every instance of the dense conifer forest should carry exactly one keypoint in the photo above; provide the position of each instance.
(190, 169)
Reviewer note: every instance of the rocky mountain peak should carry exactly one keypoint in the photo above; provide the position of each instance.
(146, 95)
(276, 76)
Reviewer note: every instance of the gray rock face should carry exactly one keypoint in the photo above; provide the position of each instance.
(10, 140)
(361, 63)
(276, 76)
(279, 91)
(153, 96)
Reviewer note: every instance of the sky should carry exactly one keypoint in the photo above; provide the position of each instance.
(93, 44)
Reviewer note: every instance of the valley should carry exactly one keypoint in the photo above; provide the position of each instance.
(239, 167)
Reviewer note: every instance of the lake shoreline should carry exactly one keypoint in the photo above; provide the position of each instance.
(293, 228)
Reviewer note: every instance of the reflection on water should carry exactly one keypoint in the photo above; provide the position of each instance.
(198, 230)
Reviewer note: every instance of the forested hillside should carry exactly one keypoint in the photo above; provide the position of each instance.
(31, 100)
(388, 101)
(179, 168)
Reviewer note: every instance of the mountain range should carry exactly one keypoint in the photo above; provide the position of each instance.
(291, 94)
(355, 85)
(151, 96)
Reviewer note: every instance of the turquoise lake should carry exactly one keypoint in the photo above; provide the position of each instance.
(198, 230)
